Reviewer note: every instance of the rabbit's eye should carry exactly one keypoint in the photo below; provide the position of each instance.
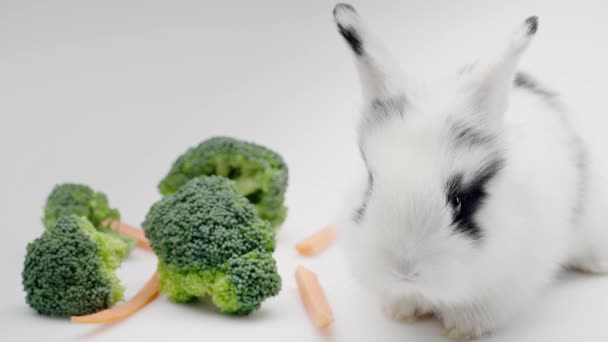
(466, 197)
(456, 206)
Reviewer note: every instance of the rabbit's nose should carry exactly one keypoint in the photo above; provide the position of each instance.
(407, 271)
(412, 276)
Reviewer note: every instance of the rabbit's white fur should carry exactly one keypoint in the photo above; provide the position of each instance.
(413, 139)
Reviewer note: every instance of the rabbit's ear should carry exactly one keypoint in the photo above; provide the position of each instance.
(380, 76)
(490, 82)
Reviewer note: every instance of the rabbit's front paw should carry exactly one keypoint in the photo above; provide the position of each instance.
(407, 309)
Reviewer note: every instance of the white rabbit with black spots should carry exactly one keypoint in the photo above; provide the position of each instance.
(477, 188)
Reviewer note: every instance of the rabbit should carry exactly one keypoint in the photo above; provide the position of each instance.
(476, 192)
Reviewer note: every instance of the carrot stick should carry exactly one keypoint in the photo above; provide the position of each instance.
(129, 231)
(318, 241)
(313, 297)
(145, 296)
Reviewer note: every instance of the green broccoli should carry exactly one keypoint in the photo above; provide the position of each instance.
(81, 200)
(69, 270)
(210, 242)
(260, 174)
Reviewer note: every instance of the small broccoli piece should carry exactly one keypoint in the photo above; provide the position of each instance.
(81, 200)
(210, 242)
(260, 174)
(69, 270)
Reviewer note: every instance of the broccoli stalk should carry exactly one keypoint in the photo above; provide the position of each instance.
(83, 201)
(210, 242)
(69, 270)
(259, 173)
(239, 286)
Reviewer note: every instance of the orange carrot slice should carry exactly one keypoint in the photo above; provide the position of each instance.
(313, 297)
(317, 242)
(145, 296)
(129, 231)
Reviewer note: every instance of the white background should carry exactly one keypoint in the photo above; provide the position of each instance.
(110, 92)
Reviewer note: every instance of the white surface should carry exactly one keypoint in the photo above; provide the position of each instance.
(110, 92)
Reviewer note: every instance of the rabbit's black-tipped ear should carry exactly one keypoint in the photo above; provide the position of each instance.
(491, 82)
(380, 76)
(345, 16)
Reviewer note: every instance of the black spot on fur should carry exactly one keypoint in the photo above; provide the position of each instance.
(381, 110)
(360, 212)
(352, 38)
(532, 23)
(466, 197)
(525, 81)
(389, 105)
(470, 136)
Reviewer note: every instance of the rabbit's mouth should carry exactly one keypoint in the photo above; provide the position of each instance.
(408, 277)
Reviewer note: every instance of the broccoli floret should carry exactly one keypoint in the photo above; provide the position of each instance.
(69, 270)
(81, 200)
(210, 242)
(260, 174)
